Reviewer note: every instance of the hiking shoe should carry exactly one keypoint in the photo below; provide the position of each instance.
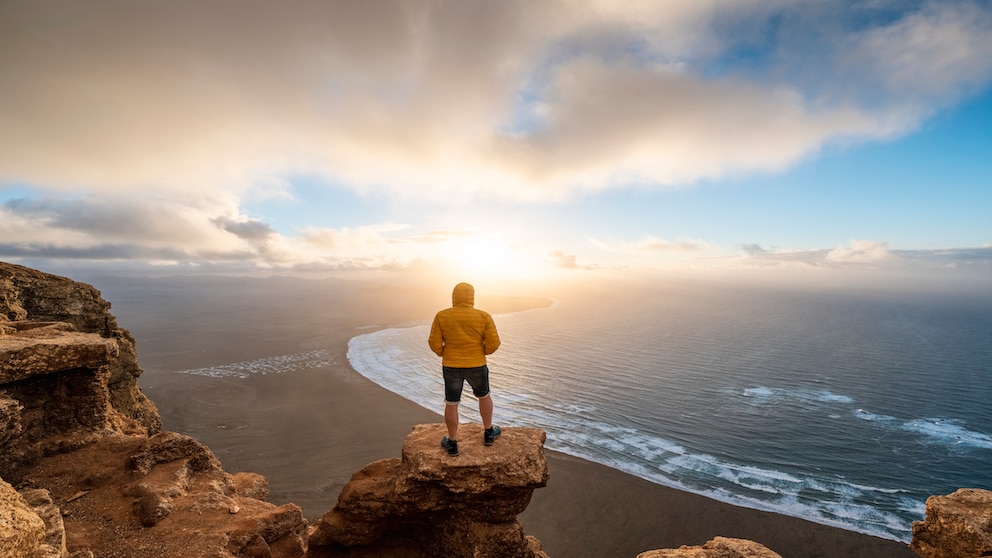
(490, 435)
(450, 445)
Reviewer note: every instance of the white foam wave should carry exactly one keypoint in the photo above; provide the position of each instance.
(266, 366)
(948, 432)
(773, 395)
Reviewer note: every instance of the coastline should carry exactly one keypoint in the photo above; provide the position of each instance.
(340, 422)
(308, 431)
(592, 510)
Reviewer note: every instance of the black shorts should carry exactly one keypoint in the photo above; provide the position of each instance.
(455, 378)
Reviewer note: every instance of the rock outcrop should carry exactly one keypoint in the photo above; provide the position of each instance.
(68, 373)
(95, 475)
(956, 525)
(720, 547)
(428, 503)
(164, 495)
(22, 531)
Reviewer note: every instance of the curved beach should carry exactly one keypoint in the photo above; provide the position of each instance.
(308, 421)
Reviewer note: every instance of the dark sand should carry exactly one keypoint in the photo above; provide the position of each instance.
(308, 431)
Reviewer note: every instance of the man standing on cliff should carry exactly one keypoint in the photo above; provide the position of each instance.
(462, 336)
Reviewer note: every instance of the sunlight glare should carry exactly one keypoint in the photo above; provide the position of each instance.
(488, 257)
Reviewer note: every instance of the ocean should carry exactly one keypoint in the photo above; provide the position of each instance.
(847, 408)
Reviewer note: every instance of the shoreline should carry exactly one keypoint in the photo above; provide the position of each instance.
(308, 431)
(593, 510)
(383, 374)
(587, 509)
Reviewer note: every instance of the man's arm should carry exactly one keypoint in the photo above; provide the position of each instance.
(490, 337)
(436, 339)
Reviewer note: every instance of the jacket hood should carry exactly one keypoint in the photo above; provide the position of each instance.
(463, 295)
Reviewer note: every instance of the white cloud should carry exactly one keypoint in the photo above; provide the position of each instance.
(415, 97)
(156, 121)
(861, 252)
(166, 232)
(562, 260)
(929, 57)
(650, 244)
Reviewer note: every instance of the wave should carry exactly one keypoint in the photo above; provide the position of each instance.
(266, 366)
(774, 395)
(945, 431)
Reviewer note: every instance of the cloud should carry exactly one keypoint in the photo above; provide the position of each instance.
(656, 244)
(932, 56)
(753, 249)
(653, 245)
(363, 239)
(148, 125)
(166, 232)
(445, 235)
(561, 260)
(516, 100)
(90, 220)
(861, 252)
(868, 254)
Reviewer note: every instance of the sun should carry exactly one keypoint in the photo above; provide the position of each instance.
(489, 257)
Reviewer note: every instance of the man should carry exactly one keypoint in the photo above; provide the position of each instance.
(462, 336)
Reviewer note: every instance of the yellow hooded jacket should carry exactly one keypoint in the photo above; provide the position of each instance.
(463, 335)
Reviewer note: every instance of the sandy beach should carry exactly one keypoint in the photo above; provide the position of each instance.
(309, 430)
(338, 425)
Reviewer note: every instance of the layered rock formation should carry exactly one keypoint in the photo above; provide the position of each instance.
(22, 531)
(720, 547)
(68, 373)
(957, 525)
(428, 503)
(95, 476)
(164, 495)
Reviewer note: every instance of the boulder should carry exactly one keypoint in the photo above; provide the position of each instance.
(719, 547)
(959, 524)
(429, 503)
(41, 502)
(22, 531)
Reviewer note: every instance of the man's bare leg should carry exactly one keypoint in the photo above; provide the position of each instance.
(485, 410)
(451, 419)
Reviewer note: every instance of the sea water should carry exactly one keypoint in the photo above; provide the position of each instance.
(844, 408)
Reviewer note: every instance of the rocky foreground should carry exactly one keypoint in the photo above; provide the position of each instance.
(85, 470)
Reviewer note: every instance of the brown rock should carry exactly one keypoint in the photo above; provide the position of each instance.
(31, 354)
(172, 446)
(10, 419)
(719, 547)
(429, 503)
(162, 496)
(251, 485)
(29, 294)
(67, 371)
(956, 525)
(22, 532)
(41, 502)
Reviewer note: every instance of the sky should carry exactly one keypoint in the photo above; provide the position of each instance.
(497, 139)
